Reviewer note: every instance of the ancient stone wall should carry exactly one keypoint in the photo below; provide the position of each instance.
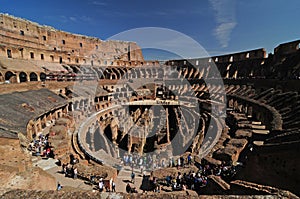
(287, 48)
(273, 165)
(283, 64)
(237, 65)
(24, 39)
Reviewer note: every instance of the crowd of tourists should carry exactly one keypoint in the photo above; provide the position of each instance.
(194, 179)
(40, 146)
(152, 162)
(197, 180)
(70, 169)
(108, 185)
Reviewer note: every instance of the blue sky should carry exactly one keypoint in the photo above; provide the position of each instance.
(219, 26)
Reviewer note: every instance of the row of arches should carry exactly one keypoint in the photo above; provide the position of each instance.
(19, 77)
(35, 126)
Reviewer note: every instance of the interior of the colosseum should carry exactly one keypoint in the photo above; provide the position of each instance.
(239, 110)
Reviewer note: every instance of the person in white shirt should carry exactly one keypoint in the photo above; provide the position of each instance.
(101, 185)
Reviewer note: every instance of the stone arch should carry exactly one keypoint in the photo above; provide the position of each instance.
(160, 73)
(9, 75)
(33, 76)
(122, 72)
(108, 132)
(76, 105)
(149, 72)
(23, 77)
(70, 106)
(154, 73)
(81, 104)
(142, 73)
(117, 73)
(133, 73)
(2, 79)
(43, 77)
(43, 121)
(250, 111)
(113, 76)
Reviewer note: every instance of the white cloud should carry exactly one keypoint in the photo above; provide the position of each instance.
(73, 19)
(223, 31)
(99, 3)
(225, 18)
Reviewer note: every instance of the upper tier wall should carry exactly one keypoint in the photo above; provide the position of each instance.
(22, 38)
(283, 64)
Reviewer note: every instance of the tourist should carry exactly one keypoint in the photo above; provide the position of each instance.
(183, 187)
(218, 171)
(113, 186)
(148, 161)
(128, 188)
(63, 166)
(154, 165)
(178, 179)
(170, 162)
(48, 152)
(131, 160)
(134, 190)
(168, 180)
(59, 187)
(178, 163)
(101, 185)
(75, 173)
(66, 170)
(182, 161)
(132, 177)
(125, 158)
(92, 179)
(189, 158)
(110, 184)
(141, 161)
(163, 165)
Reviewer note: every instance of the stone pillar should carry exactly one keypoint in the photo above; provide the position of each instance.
(129, 144)
(82, 107)
(71, 105)
(54, 115)
(27, 77)
(65, 110)
(45, 120)
(168, 128)
(18, 78)
(49, 118)
(35, 128)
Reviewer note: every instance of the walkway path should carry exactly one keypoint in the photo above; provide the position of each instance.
(50, 167)
(124, 176)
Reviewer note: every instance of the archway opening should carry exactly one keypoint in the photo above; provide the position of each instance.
(43, 77)
(33, 77)
(8, 75)
(23, 77)
(108, 133)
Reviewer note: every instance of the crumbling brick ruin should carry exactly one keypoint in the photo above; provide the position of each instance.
(52, 78)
